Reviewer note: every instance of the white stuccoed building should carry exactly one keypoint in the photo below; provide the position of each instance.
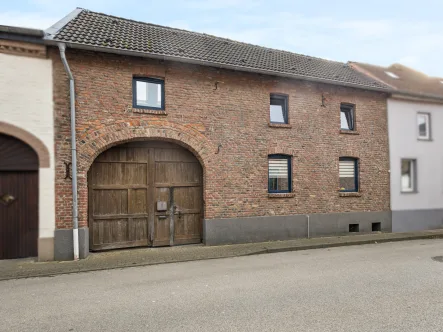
(27, 200)
(415, 122)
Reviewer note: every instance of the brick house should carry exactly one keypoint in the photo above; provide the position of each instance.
(185, 138)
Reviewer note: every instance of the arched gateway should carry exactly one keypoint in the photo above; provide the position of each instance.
(145, 193)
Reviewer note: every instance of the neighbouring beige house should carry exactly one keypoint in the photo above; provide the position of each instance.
(27, 213)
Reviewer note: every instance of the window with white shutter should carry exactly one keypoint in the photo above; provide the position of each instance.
(279, 174)
(348, 173)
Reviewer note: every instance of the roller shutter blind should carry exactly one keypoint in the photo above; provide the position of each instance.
(347, 168)
(278, 168)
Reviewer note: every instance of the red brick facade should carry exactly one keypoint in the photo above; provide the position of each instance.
(223, 118)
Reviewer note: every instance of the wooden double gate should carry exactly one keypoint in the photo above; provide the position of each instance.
(145, 193)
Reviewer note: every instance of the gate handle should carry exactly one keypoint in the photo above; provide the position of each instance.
(179, 212)
(7, 199)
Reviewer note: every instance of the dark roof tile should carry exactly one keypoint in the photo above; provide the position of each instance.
(114, 33)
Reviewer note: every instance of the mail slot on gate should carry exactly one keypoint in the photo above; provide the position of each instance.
(162, 206)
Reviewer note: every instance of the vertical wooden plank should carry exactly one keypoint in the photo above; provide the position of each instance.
(90, 204)
(101, 232)
(171, 216)
(162, 219)
(138, 201)
(150, 200)
(129, 221)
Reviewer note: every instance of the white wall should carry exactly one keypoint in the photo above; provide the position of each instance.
(403, 143)
(26, 102)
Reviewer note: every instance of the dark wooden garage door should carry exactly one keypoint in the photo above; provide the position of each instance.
(18, 199)
(145, 194)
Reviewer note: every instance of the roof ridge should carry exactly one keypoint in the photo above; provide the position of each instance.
(208, 35)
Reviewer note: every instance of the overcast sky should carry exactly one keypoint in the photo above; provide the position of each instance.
(381, 32)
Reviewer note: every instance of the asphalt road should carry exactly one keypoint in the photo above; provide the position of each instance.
(380, 287)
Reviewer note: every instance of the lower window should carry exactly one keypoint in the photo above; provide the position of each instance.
(408, 180)
(279, 173)
(348, 172)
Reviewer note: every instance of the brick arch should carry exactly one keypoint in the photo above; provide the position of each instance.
(349, 154)
(281, 150)
(34, 142)
(95, 141)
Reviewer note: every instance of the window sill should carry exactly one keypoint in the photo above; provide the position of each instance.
(349, 194)
(424, 139)
(148, 111)
(281, 195)
(409, 192)
(349, 132)
(280, 125)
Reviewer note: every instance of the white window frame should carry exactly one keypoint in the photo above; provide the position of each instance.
(427, 117)
(413, 172)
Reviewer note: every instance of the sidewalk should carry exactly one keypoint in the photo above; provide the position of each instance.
(26, 268)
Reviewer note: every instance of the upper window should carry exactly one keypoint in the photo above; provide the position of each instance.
(347, 121)
(148, 93)
(279, 109)
(279, 174)
(423, 123)
(408, 180)
(348, 172)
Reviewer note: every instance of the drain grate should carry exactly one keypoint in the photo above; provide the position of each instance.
(438, 259)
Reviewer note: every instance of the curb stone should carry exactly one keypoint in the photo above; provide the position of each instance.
(19, 269)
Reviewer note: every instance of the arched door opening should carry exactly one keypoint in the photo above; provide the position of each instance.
(145, 193)
(18, 199)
